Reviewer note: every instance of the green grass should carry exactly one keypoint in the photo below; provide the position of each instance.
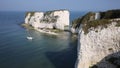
(118, 23)
(110, 14)
(88, 17)
(103, 23)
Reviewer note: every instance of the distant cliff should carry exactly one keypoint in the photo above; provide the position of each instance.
(58, 19)
(99, 40)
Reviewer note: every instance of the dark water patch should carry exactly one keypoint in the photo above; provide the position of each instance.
(63, 58)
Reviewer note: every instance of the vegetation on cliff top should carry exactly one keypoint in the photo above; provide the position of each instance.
(88, 17)
(27, 26)
(50, 19)
(89, 21)
(31, 14)
(76, 23)
(103, 23)
(110, 14)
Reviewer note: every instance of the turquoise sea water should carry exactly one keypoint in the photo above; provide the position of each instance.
(45, 51)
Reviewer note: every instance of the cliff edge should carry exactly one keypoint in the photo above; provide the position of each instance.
(99, 40)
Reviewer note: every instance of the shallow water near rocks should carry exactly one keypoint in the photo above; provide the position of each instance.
(44, 51)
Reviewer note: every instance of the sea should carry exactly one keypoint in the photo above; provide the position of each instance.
(44, 51)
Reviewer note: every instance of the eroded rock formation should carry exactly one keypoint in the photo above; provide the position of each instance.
(58, 19)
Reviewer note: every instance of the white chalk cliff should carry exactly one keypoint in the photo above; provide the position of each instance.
(58, 19)
(94, 46)
(97, 44)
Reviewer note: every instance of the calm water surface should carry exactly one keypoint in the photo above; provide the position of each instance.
(45, 51)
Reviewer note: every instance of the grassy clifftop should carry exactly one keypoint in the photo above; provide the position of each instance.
(77, 22)
(88, 20)
(110, 14)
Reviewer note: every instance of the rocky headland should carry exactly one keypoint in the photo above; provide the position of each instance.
(98, 39)
(51, 22)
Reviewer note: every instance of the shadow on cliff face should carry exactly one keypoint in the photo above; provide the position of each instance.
(65, 58)
(110, 61)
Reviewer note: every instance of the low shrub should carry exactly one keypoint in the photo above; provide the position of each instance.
(103, 23)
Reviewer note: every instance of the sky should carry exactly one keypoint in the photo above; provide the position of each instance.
(45, 5)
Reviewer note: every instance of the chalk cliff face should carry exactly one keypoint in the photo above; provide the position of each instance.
(58, 19)
(63, 19)
(99, 42)
(94, 46)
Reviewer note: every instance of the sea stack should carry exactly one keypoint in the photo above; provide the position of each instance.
(57, 19)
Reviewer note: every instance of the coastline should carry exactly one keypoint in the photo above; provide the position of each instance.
(27, 26)
(47, 32)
